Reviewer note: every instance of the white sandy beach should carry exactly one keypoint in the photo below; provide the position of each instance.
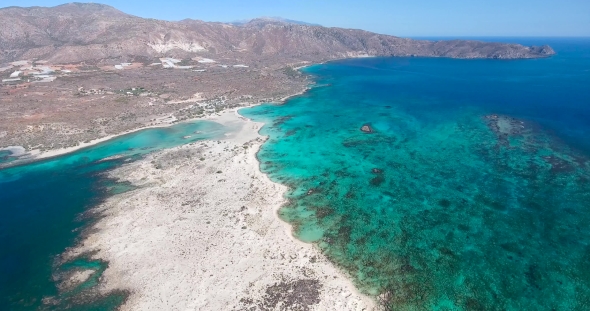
(202, 233)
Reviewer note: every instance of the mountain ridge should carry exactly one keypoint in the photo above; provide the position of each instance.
(78, 32)
(273, 19)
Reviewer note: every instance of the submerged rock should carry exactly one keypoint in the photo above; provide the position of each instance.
(377, 181)
(506, 127)
(367, 128)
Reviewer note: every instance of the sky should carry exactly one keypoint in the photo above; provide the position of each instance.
(411, 18)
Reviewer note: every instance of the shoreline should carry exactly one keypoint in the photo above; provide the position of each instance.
(284, 99)
(61, 151)
(219, 245)
(332, 290)
(298, 262)
(369, 301)
(36, 155)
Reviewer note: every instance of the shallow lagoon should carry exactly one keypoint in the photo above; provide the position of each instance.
(42, 214)
(437, 209)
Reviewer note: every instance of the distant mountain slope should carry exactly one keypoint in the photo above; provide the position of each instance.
(83, 31)
(273, 19)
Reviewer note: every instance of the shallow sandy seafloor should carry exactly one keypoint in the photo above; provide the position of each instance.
(201, 233)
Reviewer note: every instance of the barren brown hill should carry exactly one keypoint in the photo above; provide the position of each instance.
(83, 32)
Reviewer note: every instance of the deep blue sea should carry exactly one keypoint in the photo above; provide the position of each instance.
(472, 190)
(42, 207)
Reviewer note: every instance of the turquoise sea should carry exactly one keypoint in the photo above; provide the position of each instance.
(42, 207)
(471, 193)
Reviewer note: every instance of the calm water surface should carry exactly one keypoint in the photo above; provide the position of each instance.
(40, 215)
(437, 209)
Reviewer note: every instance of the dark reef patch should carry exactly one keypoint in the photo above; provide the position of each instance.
(377, 180)
(292, 295)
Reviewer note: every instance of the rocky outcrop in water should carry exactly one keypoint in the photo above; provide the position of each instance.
(367, 129)
(505, 127)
